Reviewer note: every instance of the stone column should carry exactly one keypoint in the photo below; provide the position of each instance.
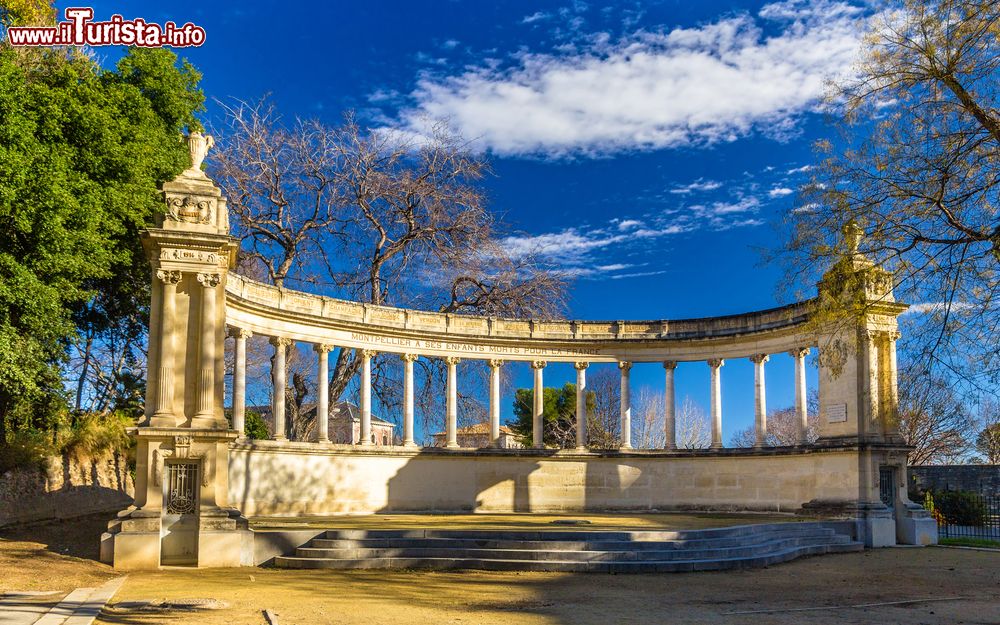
(164, 415)
(365, 436)
(495, 401)
(716, 365)
(759, 399)
(669, 405)
(451, 411)
(408, 360)
(801, 412)
(322, 392)
(581, 404)
(240, 336)
(205, 413)
(538, 409)
(892, 387)
(626, 404)
(278, 381)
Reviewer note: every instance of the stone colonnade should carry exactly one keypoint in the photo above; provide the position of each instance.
(323, 350)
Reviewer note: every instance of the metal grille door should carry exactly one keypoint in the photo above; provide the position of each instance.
(182, 496)
(887, 486)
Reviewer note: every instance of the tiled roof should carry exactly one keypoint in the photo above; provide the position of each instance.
(483, 427)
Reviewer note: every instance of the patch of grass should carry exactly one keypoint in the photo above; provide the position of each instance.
(970, 542)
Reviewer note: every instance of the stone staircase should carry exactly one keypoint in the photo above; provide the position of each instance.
(746, 546)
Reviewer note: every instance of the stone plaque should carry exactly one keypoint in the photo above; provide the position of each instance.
(837, 413)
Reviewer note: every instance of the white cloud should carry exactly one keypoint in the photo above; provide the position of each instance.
(535, 17)
(799, 170)
(938, 307)
(711, 83)
(779, 192)
(698, 185)
(629, 224)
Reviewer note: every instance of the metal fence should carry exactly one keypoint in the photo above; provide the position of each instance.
(964, 514)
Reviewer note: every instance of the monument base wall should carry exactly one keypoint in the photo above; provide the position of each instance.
(286, 479)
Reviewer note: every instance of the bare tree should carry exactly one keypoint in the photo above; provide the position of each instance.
(648, 418)
(693, 429)
(933, 418)
(783, 426)
(917, 168)
(373, 216)
(988, 439)
(604, 422)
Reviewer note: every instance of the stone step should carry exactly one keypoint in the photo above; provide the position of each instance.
(645, 566)
(500, 540)
(619, 554)
(581, 535)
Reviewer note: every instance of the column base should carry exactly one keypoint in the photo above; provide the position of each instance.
(208, 423)
(916, 526)
(874, 524)
(452, 446)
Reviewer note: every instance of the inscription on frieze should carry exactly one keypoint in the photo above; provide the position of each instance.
(468, 348)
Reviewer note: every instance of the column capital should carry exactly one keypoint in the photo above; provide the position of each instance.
(759, 359)
(715, 363)
(495, 363)
(168, 277)
(670, 364)
(323, 348)
(409, 357)
(538, 364)
(452, 360)
(799, 352)
(624, 365)
(209, 280)
(239, 333)
(580, 366)
(280, 341)
(894, 335)
(367, 353)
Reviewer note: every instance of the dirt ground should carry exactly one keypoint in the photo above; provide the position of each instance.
(53, 556)
(963, 584)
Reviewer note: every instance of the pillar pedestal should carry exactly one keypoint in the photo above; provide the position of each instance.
(181, 513)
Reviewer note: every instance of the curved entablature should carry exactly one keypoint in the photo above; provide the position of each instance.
(268, 310)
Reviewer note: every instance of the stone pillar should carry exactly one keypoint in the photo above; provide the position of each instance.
(669, 405)
(716, 365)
(205, 417)
(801, 411)
(626, 404)
(185, 429)
(408, 360)
(240, 337)
(495, 401)
(891, 416)
(322, 392)
(451, 410)
(759, 399)
(581, 404)
(164, 414)
(538, 408)
(365, 435)
(279, 384)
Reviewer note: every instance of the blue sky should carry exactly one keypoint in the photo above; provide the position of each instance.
(648, 149)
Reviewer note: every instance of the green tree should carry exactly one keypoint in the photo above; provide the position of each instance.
(82, 152)
(558, 415)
